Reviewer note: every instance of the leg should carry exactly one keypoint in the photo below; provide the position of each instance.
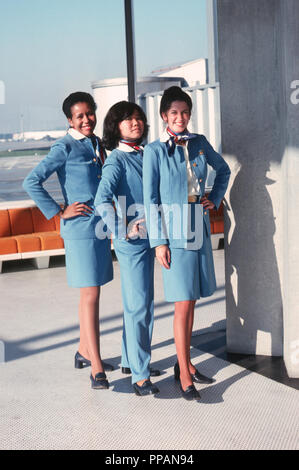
(149, 307)
(182, 321)
(190, 328)
(196, 375)
(137, 294)
(124, 349)
(83, 341)
(89, 327)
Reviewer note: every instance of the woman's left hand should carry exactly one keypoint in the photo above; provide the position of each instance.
(207, 204)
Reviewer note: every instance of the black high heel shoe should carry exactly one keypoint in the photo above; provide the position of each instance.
(197, 377)
(147, 388)
(81, 362)
(100, 381)
(190, 393)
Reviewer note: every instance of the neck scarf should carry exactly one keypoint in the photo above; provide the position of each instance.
(134, 145)
(100, 154)
(177, 139)
(180, 139)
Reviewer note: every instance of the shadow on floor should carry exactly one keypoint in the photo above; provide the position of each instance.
(272, 367)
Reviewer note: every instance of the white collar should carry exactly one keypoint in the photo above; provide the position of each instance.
(125, 148)
(165, 136)
(76, 134)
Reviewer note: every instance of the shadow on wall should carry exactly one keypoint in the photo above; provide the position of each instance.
(254, 299)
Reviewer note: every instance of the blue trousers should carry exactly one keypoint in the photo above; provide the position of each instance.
(136, 260)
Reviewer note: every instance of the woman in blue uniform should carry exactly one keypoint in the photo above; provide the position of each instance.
(177, 217)
(125, 127)
(77, 159)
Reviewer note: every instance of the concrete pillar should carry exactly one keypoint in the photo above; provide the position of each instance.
(2, 351)
(258, 66)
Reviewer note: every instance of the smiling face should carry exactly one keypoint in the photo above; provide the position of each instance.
(177, 117)
(132, 127)
(83, 118)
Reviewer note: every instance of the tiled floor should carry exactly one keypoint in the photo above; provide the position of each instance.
(46, 404)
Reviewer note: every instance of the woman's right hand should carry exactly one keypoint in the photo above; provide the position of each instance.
(163, 256)
(136, 230)
(75, 209)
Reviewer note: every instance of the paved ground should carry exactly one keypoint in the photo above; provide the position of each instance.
(46, 404)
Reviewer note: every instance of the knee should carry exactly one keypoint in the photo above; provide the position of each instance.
(90, 295)
(183, 309)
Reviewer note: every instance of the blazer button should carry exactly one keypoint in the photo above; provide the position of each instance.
(200, 180)
(99, 176)
(94, 160)
(205, 212)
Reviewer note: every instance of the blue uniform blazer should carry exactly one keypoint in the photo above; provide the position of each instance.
(79, 170)
(165, 182)
(121, 183)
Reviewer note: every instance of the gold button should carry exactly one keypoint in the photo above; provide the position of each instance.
(200, 180)
(99, 176)
(206, 213)
(94, 159)
(194, 164)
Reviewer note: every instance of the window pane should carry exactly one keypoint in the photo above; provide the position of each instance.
(174, 32)
(48, 50)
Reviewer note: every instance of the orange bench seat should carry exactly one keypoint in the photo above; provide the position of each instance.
(26, 230)
(8, 245)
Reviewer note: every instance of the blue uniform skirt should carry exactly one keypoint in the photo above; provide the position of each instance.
(88, 262)
(191, 274)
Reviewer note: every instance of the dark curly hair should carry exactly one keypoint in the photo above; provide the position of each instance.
(77, 97)
(116, 114)
(174, 93)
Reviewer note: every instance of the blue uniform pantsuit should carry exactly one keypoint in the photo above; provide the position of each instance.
(79, 169)
(122, 178)
(191, 274)
(137, 280)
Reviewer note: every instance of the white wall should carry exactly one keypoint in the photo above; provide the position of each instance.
(195, 72)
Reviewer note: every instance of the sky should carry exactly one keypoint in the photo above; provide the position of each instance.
(49, 49)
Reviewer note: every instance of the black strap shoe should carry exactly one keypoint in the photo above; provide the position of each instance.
(153, 372)
(201, 379)
(100, 381)
(147, 388)
(190, 393)
(197, 377)
(81, 362)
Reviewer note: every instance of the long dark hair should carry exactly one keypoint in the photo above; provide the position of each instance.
(116, 114)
